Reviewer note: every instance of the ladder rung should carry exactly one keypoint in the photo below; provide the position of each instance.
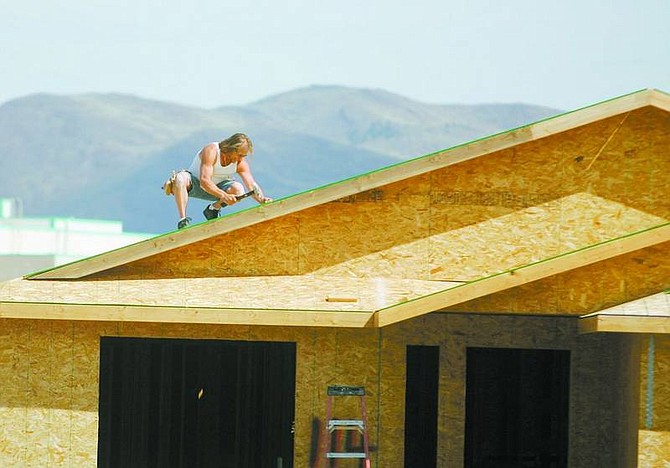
(345, 455)
(344, 390)
(346, 426)
(346, 422)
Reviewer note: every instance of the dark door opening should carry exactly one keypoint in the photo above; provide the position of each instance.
(196, 403)
(516, 408)
(421, 398)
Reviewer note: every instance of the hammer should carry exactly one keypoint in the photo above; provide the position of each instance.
(251, 192)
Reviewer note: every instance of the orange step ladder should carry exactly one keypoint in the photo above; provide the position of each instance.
(334, 425)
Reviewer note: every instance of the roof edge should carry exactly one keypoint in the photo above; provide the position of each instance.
(194, 315)
(522, 275)
(624, 324)
(659, 98)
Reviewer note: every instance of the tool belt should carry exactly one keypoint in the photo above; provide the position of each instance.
(168, 186)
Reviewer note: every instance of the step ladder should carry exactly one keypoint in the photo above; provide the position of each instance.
(335, 425)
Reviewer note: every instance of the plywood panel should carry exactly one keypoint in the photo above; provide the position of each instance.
(653, 449)
(392, 390)
(530, 235)
(586, 289)
(303, 300)
(44, 419)
(14, 445)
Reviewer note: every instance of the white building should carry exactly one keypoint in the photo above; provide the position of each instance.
(28, 245)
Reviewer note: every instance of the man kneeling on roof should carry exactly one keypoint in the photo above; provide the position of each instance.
(210, 177)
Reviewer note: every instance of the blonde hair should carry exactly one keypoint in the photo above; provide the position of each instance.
(235, 142)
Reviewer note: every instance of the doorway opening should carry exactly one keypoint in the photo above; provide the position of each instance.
(421, 406)
(517, 408)
(196, 403)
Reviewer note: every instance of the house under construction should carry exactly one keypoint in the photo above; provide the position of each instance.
(502, 303)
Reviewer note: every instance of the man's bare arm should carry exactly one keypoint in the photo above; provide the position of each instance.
(245, 174)
(209, 156)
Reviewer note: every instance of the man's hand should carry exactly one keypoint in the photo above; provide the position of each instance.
(228, 199)
(258, 195)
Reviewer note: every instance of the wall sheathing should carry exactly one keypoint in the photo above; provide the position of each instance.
(654, 414)
(600, 416)
(50, 370)
(48, 411)
(491, 213)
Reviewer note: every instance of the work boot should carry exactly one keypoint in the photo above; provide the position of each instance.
(211, 213)
(183, 223)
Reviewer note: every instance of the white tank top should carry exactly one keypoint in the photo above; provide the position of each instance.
(220, 174)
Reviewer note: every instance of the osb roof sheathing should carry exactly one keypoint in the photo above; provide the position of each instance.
(294, 300)
(65, 293)
(268, 300)
(353, 186)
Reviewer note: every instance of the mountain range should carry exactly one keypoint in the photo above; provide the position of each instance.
(105, 156)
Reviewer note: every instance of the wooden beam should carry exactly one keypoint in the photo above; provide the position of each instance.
(328, 294)
(593, 113)
(131, 313)
(660, 99)
(353, 186)
(588, 324)
(624, 324)
(522, 275)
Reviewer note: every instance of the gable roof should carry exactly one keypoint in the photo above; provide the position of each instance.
(524, 274)
(338, 301)
(306, 300)
(352, 186)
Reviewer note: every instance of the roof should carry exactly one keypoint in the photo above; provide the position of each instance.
(647, 315)
(352, 186)
(66, 293)
(306, 300)
(526, 274)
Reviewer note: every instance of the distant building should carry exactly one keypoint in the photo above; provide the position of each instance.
(28, 245)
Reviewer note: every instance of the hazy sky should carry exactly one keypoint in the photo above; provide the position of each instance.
(208, 53)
